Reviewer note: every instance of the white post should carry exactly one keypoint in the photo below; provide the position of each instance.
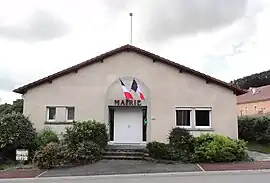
(131, 14)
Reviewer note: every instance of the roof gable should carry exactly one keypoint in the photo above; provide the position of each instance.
(155, 58)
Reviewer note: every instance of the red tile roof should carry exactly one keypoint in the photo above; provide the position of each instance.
(261, 93)
(156, 58)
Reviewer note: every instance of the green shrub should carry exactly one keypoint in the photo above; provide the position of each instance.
(87, 152)
(61, 155)
(46, 136)
(218, 148)
(161, 151)
(246, 128)
(86, 131)
(50, 156)
(254, 128)
(16, 131)
(180, 138)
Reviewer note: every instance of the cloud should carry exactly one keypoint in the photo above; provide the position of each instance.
(8, 97)
(235, 41)
(117, 6)
(39, 27)
(7, 83)
(182, 17)
(163, 20)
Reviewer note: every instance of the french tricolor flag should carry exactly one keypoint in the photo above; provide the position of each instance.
(136, 88)
(127, 93)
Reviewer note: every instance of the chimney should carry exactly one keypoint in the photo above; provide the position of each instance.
(253, 91)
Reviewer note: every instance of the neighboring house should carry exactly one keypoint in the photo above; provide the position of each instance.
(255, 102)
(175, 95)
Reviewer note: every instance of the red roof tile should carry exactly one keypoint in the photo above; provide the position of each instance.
(261, 93)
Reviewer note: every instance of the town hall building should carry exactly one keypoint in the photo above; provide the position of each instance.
(140, 96)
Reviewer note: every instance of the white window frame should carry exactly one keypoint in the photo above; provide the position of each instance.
(69, 120)
(184, 109)
(193, 117)
(48, 113)
(210, 117)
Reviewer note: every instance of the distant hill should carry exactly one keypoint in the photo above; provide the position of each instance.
(254, 80)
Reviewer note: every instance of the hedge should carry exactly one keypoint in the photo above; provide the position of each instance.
(91, 130)
(205, 148)
(219, 148)
(254, 129)
(16, 131)
(46, 136)
(61, 155)
(82, 143)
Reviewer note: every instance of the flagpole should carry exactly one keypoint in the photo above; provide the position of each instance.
(130, 14)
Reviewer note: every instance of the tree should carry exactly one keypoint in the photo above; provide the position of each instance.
(16, 131)
(254, 80)
(17, 107)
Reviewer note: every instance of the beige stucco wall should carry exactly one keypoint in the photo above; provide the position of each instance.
(253, 108)
(86, 90)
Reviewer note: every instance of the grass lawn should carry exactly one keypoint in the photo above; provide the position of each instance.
(7, 166)
(259, 147)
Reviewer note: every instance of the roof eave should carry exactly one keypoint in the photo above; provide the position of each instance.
(19, 91)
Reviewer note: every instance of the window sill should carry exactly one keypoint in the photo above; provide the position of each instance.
(58, 122)
(186, 127)
(200, 129)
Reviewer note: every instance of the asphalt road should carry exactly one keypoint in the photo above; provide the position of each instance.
(249, 177)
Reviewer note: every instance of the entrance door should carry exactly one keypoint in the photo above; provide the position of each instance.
(128, 125)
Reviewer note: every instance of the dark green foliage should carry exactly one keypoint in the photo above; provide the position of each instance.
(17, 107)
(218, 148)
(87, 152)
(61, 155)
(254, 129)
(180, 138)
(16, 131)
(82, 143)
(87, 131)
(161, 151)
(205, 148)
(254, 80)
(46, 136)
(49, 156)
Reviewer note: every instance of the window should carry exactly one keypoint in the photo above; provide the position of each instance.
(193, 117)
(202, 118)
(241, 113)
(183, 118)
(51, 113)
(70, 113)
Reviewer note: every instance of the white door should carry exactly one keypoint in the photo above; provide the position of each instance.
(128, 125)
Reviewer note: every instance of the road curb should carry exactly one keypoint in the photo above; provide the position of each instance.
(200, 167)
(175, 174)
(45, 171)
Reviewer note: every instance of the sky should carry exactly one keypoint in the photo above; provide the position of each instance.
(226, 39)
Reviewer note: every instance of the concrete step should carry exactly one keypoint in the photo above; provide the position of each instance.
(125, 150)
(121, 153)
(123, 157)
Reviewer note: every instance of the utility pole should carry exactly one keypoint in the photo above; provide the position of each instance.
(131, 14)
